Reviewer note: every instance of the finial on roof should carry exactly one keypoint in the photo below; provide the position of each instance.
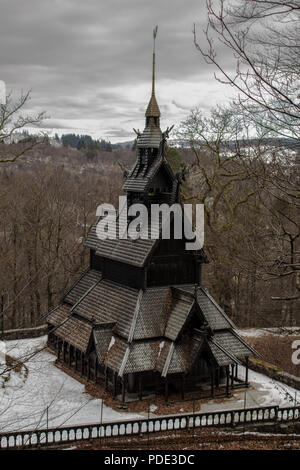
(153, 109)
(153, 62)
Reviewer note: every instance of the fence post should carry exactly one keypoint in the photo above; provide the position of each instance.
(187, 423)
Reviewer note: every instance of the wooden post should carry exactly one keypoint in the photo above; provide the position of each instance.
(182, 386)
(123, 391)
(63, 351)
(218, 377)
(232, 374)
(166, 390)
(95, 369)
(114, 385)
(247, 370)
(69, 355)
(227, 381)
(236, 372)
(76, 357)
(105, 378)
(140, 386)
(58, 350)
(82, 364)
(88, 368)
(212, 381)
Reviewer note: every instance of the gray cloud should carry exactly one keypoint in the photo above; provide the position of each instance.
(91, 61)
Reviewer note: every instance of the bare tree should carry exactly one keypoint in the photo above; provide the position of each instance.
(12, 120)
(263, 38)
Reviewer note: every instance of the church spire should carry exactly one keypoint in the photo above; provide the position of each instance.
(153, 109)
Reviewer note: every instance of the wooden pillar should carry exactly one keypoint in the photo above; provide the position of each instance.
(88, 368)
(82, 358)
(232, 374)
(63, 351)
(247, 370)
(105, 378)
(217, 381)
(227, 381)
(166, 390)
(212, 382)
(114, 384)
(76, 357)
(95, 369)
(123, 391)
(182, 386)
(236, 372)
(58, 350)
(140, 386)
(69, 355)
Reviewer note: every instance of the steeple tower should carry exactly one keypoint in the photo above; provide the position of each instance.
(151, 178)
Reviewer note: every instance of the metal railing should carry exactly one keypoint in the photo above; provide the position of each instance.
(67, 434)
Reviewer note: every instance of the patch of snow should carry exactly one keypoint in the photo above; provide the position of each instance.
(153, 408)
(161, 345)
(259, 332)
(26, 394)
(112, 342)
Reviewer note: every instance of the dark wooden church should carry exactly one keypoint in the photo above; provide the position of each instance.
(138, 319)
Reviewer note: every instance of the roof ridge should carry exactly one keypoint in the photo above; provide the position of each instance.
(218, 307)
(224, 350)
(85, 294)
(135, 315)
(76, 282)
(168, 360)
(245, 343)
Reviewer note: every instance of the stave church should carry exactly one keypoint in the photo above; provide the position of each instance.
(138, 321)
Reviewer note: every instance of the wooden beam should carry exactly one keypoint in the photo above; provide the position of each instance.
(105, 378)
(232, 374)
(95, 369)
(69, 355)
(123, 391)
(140, 386)
(212, 385)
(166, 390)
(88, 368)
(227, 381)
(82, 357)
(64, 351)
(76, 358)
(182, 386)
(247, 371)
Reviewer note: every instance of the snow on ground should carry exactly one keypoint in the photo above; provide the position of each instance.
(263, 391)
(26, 394)
(259, 332)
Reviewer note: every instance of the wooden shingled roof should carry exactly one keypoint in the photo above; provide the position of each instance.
(133, 252)
(146, 326)
(70, 328)
(141, 182)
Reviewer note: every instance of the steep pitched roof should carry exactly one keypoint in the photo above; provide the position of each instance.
(133, 252)
(110, 302)
(152, 108)
(70, 328)
(212, 312)
(87, 280)
(137, 182)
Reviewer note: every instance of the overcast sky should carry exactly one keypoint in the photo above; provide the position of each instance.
(88, 62)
